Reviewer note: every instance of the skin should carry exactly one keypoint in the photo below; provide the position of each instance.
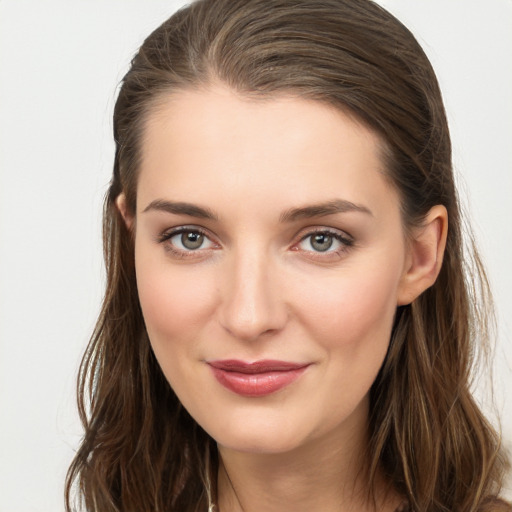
(258, 289)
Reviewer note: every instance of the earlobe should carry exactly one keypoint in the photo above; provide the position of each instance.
(123, 209)
(425, 256)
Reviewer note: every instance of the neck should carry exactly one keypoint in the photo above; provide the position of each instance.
(314, 476)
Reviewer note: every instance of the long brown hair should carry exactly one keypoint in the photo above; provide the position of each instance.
(141, 450)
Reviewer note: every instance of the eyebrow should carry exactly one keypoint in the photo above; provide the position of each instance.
(323, 209)
(180, 208)
(291, 215)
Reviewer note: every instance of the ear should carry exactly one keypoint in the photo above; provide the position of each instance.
(425, 255)
(123, 209)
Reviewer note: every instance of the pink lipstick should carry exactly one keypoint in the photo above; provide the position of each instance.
(255, 379)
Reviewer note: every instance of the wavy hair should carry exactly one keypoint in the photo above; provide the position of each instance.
(141, 450)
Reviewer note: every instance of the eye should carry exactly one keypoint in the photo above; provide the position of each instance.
(325, 241)
(186, 240)
(321, 242)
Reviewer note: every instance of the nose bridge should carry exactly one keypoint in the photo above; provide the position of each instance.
(252, 304)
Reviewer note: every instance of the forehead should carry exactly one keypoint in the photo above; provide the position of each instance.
(199, 144)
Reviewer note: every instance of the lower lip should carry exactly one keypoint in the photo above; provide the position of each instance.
(257, 384)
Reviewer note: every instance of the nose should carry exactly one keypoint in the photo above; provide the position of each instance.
(252, 305)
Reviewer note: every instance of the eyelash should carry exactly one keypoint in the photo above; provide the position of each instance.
(345, 241)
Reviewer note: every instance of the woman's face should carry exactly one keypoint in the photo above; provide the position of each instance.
(270, 258)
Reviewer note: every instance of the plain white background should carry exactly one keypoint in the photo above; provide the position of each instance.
(60, 63)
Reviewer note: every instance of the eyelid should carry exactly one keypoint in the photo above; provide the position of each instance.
(313, 230)
(168, 233)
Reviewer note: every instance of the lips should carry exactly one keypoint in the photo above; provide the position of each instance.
(256, 379)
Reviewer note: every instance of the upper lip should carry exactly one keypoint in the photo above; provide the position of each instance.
(264, 366)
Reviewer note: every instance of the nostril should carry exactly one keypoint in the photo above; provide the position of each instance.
(250, 321)
(248, 330)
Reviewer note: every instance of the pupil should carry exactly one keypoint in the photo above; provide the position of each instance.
(192, 240)
(321, 242)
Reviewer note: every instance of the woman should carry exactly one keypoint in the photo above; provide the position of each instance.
(288, 322)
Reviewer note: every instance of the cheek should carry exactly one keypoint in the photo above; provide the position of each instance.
(175, 304)
(350, 320)
(353, 311)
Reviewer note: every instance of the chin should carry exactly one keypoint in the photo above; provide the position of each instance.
(262, 435)
(246, 442)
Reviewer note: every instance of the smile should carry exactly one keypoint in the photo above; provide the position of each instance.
(256, 379)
